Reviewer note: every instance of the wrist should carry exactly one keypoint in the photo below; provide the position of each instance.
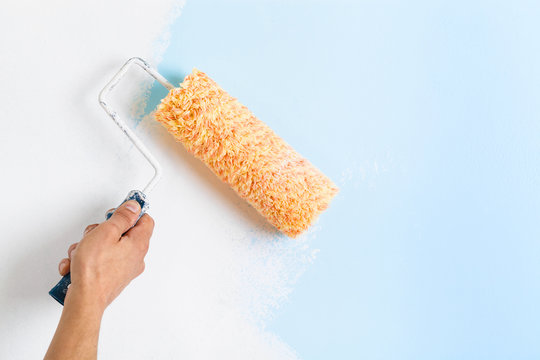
(83, 300)
(78, 330)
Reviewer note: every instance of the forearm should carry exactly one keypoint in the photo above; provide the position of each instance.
(77, 333)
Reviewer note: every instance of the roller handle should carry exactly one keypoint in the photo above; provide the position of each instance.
(59, 291)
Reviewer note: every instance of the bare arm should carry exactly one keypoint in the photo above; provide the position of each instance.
(102, 264)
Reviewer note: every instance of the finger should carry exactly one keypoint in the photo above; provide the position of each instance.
(71, 250)
(89, 228)
(63, 266)
(124, 217)
(139, 235)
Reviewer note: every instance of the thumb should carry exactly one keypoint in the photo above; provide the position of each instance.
(124, 217)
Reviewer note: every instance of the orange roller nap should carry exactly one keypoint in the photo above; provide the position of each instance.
(246, 154)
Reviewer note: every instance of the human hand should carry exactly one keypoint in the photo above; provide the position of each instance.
(102, 264)
(109, 256)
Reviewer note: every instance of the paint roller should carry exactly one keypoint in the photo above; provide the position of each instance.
(240, 149)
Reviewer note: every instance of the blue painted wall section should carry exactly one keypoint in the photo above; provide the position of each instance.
(426, 113)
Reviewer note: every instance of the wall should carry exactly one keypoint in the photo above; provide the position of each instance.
(424, 112)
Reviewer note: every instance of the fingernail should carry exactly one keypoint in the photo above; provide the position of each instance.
(62, 266)
(133, 206)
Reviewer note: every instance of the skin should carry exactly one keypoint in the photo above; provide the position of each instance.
(102, 264)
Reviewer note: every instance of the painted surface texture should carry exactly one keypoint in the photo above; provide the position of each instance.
(425, 114)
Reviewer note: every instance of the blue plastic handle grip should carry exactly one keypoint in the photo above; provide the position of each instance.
(59, 291)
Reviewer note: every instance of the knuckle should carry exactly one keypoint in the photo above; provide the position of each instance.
(72, 247)
(123, 216)
(144, 246)
(150, 221)
(111, 229)
(147, 222)
(90, 228)
(142, 266)
(72, 250)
